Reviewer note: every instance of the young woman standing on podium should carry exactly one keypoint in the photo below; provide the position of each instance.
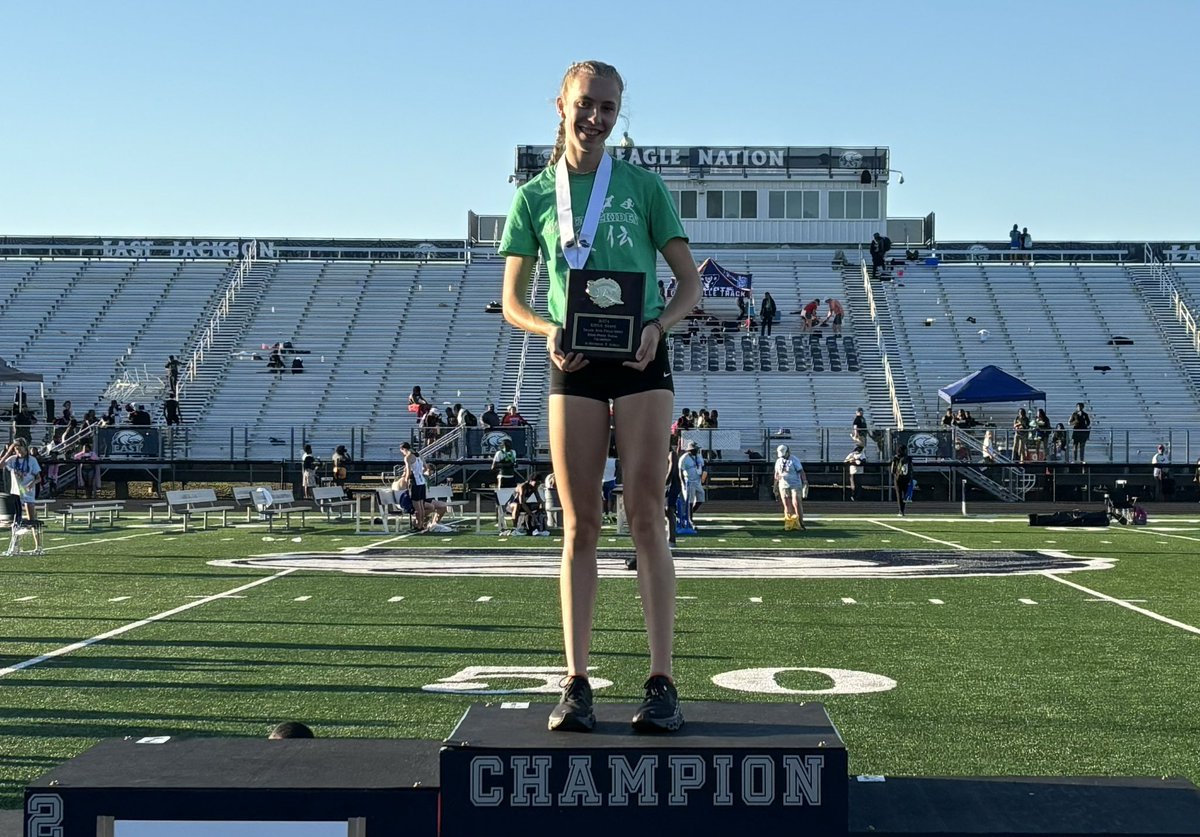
(587, 209)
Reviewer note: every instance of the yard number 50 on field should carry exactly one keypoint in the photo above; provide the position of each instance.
(479, 680)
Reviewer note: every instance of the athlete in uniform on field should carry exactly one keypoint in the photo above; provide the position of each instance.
(589, 211)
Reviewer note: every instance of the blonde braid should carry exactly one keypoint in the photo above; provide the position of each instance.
(593, 68)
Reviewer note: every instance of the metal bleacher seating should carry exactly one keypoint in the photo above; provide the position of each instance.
(373, 330)
(82, 323)
(1052, 325)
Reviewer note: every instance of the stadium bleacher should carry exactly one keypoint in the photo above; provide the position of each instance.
(373, 330)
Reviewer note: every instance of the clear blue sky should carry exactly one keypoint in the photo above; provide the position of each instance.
(388, 119)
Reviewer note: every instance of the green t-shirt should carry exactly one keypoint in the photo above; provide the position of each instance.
(638, 220)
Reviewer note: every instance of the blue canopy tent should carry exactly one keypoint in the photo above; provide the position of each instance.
(990, 384)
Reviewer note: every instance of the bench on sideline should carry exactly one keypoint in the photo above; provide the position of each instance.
(193, 502)
(330, 499)
(272, 503)
(243, 498)
(110, 508)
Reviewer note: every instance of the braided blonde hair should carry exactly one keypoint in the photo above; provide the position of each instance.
(592, 68)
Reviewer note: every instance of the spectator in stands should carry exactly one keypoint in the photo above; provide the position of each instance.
(693, 473)
(948, 417)
(1020, 447)
(23, 471)
(1196, 478)
(858, 428)
(991, 456)
(581, 389)
(1026, 245)
(275, 362)
(1161, 462)
(172, 368)
(835, 316)
(297, 366)
(418, 404)
(504, 464)
(67, 414)
(901, 469)
(684, 422)
(341, 462)
(23, 422)
(512, 418)
(133, 414)
(489, 417)
(290, 729)
(766, 314)
(702, 419)
(856, 460)
(465, 417)
(114, 410)
(1014, 243)
(791, 482)
(431, 425)
(171, 413)
(808, 315)
(1081, 424)
(1041, 433)
(308, 472)
(879, 248)
(1059, 449)
(527, 500)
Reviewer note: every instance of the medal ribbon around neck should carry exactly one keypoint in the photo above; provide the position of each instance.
(577, 249)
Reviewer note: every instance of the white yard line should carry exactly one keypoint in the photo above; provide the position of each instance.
(158, 617)
(1160, 534)
(848, 600)
(101, 540)
(936, 601)
(1183, 626)
(1027, 601)
(919, 535)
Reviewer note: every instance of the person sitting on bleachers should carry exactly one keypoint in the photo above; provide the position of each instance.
(275, 364)
(417, 403)
(297, 366)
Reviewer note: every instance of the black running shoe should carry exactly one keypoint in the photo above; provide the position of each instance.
(660, 711)
(574, 712)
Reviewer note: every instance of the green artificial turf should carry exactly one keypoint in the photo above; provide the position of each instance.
(985, 684)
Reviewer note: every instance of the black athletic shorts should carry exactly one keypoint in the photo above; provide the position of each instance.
(601, 380)
(417, 493)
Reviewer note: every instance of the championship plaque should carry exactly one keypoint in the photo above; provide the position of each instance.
(604, 314)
